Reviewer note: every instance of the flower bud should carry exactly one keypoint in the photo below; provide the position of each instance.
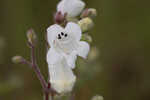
(89, 12)
(97, 97)
(31, 36)
(92, 12)
(86, 24)
(72, 19)
(59, 18)
(17, 59)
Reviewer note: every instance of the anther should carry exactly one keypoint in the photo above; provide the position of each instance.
(59, 37)
(66, 35)
(62, 33)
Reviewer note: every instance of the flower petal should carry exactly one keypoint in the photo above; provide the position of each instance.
(62, 78)
(72, 7)
(60, 6)
(83, 49)
(52, 32)
(71, 59)
(74, 30)
(53, 57)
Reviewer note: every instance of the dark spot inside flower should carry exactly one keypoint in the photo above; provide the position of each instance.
(66, 35)
(62, 33)
(59, 37)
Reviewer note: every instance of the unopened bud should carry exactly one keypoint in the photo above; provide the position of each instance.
(97, 97)
(31, 36)
(89, 12)
(84, 13)
(72, 19)
(86, 24)
(17, 59)
(92, 12)
(59, 18)
(87, 38)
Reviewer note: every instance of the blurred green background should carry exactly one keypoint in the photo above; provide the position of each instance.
(121, 36)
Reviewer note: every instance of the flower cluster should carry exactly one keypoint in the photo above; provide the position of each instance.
(65, 40)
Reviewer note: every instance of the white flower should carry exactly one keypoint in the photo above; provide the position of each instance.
(65, 42)
(62, 78)
(65, 46)
(72, 7)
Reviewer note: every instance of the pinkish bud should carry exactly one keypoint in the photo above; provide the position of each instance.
(84, 13)
(89, 12)
(59, 18)
(31, 36)
(17, 59)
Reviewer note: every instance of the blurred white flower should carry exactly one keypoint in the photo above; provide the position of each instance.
(72, 7)
(65, 42)
(62, 78)
(97, 97)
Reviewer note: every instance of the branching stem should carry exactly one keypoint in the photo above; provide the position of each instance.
(46, 87)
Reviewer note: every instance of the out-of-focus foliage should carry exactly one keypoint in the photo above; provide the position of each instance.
(121, 35)
(2, 47)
